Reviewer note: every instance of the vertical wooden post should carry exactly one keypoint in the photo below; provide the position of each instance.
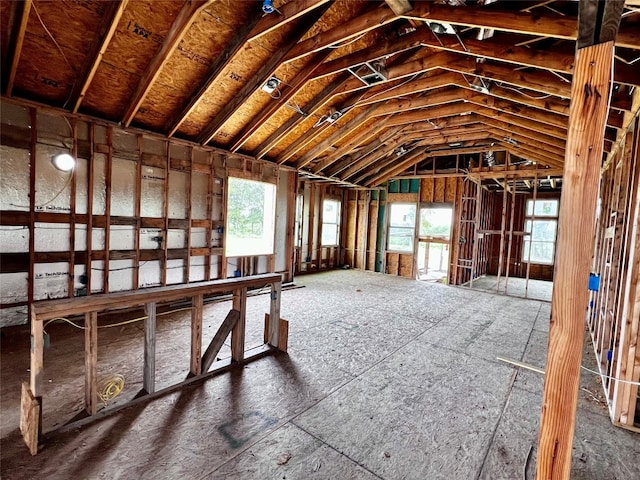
(149, 381)
(503, 228)
(107, 209)
(90, 362)
(535, 197)
(90, 180)
(136, 214)
(165, 215)
(312, 204)
(583, 158)
(37, 355)
(72, 212)
(476, 232)
(238, 332)
(509, 247)
(274, 314)
(196, 335)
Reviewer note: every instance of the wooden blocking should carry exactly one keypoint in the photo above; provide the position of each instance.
(91, 362)
(218, 340)
(30, 419)
(283, 332)
(238, 333)
(149, 380)
(195, 367)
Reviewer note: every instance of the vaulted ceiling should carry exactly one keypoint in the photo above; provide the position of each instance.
(356, 91)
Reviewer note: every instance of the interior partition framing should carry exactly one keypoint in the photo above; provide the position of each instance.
(138, 210)
(614, 313)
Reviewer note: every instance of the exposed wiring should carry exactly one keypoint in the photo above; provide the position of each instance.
(61, 53)
(110, 387)
(279, 93)
(533, 368)
(349, 42)
(64, 187)
(119, 324)
(507, 87)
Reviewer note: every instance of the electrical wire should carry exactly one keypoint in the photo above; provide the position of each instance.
(110, 387)
(349, 42)
(507, 87)
(64, 187)
(61, 53)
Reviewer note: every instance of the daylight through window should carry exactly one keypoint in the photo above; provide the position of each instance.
(541, 223)
(251, 213)
(402, 225)
(330, 222)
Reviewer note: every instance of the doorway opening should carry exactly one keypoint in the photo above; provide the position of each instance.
(434, 242)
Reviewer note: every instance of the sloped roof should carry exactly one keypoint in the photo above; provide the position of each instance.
(364, 90)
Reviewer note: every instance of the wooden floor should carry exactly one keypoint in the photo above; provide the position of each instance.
(385, 378)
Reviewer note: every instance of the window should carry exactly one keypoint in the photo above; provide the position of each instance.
(541, 223)
(330, 222)
(435, 222)
(251, 213)
(402, 225)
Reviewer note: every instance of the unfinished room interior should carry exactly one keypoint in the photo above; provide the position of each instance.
(316, 239)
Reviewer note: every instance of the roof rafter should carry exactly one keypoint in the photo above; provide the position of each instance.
(187, 15)
(262, 75)
(17, 39)
(107, 30)
(286, 13)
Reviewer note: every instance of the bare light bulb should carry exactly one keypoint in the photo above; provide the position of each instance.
(64, 162)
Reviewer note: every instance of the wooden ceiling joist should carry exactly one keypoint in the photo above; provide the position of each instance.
(399, 6)
(262, 75)
(187, 15)
(17, 39)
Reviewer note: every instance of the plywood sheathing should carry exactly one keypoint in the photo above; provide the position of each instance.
(54, 80)
(138, 37)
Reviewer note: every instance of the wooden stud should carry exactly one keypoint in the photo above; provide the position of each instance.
(90, 188)
(149, 380)
(238, 332)
(195, 367)
(107, 209)
(186, 276)
(32, 209)
(165, 215)
(37, 354)
(510, 245)
(577, 214)
(535, 197)
(136, 208)
(72, 211)
(91, 362)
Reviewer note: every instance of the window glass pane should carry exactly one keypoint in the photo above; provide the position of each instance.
(435, 222)
(541, 252)
(329, 234)
(401, 239)
(402, 215)
(543, 208)
(330, 211)
(251, 209)
(544, 230)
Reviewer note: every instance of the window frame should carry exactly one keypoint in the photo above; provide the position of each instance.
(336, 223)
(531, 219)
(267, 238)
(411, 228)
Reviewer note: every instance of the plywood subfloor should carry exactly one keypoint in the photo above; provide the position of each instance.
(385, 378)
